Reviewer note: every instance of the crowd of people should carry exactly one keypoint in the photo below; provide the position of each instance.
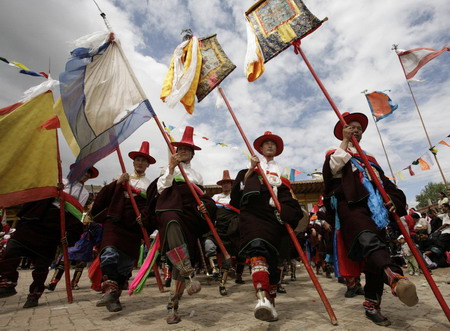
(350, 231)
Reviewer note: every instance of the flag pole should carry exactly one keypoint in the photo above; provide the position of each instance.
(62, 217)
(172, 151)
(289, 229)
(167, 139)
(138, 214)
(382, 143)
(394, 47)
(412, 246)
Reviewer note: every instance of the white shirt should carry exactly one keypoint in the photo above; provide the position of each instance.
(222, 198)
(445, 220)
(138, 182)
(340, 158)
(272, 170)
(76, 190)
(166, 180)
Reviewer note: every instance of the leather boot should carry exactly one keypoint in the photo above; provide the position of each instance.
(402, 287)
(176, 292)
(265, 307)
(373, 312)
(223, 279)
(32, 300)
(76, 278)
(59, 271)
(214, 266)
(8, 277)
(111, 293)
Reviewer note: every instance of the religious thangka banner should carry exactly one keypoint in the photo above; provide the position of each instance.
(28, 162)
(102, 100)
(216, 66)
(276, 23)
(380, 105)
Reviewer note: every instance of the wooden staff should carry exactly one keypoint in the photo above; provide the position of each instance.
(138, 214)
(62, 217)
(313, 277)
(375, 179)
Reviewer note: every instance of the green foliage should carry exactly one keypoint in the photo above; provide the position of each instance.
(430, 191)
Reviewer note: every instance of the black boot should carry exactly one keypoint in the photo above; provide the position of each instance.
(223, 279)
(32, 300)
(59, 271)
(373, 312)
(8, 277)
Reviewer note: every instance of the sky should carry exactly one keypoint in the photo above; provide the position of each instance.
(351, 52)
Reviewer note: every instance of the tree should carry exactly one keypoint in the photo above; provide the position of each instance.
(430, 191)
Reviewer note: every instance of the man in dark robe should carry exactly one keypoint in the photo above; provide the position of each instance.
(351, 195)
(260, 225)
(179, 219)
(122, 232)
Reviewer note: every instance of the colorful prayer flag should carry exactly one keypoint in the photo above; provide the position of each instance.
(65, 128)
(24, 69)
(380, 105)
(276, 23)
(442, 142)
(102, 100)
(424, 165)
(216, 66)
(36, 149)
(414, 59)
(181, 82)
(400, 175)
(411, 172)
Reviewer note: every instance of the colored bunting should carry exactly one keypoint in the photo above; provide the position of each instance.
(275, 23)
(380, 105)
(414, 59)
(102, 101)
(423, 164)
(24, 69)
(411, 172)
(35, 149)
(400, 175)
(216, 66)
(442, 142)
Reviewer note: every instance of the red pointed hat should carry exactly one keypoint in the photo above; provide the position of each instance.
(187, 140)
(94, 172)
(353, 117)
(225, 178)
(269, 136)
(144, 152)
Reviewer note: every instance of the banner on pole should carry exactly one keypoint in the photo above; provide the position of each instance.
(380, 105)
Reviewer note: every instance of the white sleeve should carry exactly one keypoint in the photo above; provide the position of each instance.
(338, 160)
(164, 181)
(83, 196)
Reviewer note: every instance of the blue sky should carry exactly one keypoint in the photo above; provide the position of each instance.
(351, 52)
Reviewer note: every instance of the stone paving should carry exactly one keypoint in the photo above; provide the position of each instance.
(299, 309)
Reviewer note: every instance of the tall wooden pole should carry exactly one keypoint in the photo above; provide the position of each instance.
(380, 188)
(289, 229)
(421, 121)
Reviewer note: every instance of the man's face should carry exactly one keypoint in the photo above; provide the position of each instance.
(269, 148)
(140, 164)
(85, 177)
(357, 130)
(226, 187)
(186, 153)
(445, 209)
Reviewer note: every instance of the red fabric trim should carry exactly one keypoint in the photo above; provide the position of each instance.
(33, 194)
(9, 109)
(72, 200)
(261, 277)
(51, 124)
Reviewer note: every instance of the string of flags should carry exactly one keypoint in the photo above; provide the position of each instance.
(288, 172)
(424, 162)
(23, 68)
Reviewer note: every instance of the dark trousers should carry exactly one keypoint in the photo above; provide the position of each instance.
(11, 260)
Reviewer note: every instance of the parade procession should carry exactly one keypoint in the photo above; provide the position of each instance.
(240, 165)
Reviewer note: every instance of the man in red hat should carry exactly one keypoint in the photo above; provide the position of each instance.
(122, 233)
(351, 196)
(179, 220)
(227, 226)
(38, 235)
(260, 225)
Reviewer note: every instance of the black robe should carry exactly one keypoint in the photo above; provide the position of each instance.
(258, 218)
(354, 214)
(120, 229)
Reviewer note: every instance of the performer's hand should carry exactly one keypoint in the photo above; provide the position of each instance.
(123, 178)
(347, 132)
(254, 161)
(201, 208)
(390, 206)
(175, 159)
(60, 186)
(139, 220)
(326, 226)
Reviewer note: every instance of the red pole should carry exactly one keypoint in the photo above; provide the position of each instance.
(138, 213)
(288, 227)
(386, 199)
(193, 192)
(62, 217)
